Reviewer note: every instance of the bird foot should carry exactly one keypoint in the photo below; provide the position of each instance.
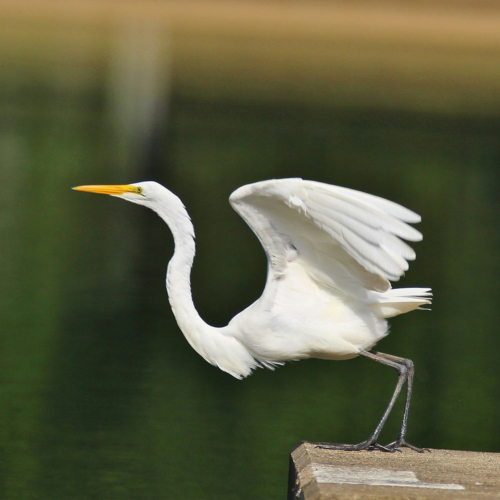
(364, 445)
(401, 443)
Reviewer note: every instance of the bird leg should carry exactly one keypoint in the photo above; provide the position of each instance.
(401, 441)
(405, 370)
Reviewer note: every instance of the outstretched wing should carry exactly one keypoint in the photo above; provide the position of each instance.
(341, 237)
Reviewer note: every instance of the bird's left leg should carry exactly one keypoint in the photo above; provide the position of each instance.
(401, 440)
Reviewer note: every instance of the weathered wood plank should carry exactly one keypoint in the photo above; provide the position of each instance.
(317, 474)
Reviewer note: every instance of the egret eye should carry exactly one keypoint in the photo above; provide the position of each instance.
(139, 190)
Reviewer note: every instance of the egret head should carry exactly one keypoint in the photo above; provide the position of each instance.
(151, 195)
(142, 193)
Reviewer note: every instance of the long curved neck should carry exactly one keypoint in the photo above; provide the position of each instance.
(179, 274)
(217, 345)
(179, 285)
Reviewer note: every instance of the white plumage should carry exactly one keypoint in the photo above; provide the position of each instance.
(331, 253)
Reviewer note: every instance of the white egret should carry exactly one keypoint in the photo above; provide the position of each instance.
(331, 252)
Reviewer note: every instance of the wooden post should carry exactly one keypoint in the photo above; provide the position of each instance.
(321, 474)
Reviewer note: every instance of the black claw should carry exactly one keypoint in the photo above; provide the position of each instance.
(380, 447)
(365, 445)
(344, 447)
(401, 443)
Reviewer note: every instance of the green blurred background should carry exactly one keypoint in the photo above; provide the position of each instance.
(100, 394)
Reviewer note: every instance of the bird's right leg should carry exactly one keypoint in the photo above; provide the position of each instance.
(371, 442)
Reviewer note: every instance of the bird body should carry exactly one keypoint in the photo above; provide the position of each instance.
(331, 252)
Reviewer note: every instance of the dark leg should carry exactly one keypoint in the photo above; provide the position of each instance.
(405, 370)
(401, 441)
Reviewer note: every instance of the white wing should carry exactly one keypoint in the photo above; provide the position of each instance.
(342, 237)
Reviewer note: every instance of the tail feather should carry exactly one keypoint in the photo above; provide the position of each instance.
(401, 300)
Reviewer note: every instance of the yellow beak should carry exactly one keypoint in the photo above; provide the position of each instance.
(115, 190)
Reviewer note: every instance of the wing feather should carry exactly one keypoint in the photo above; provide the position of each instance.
(336, 230)
(373, 233)
(385, 206)
(368, 213)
